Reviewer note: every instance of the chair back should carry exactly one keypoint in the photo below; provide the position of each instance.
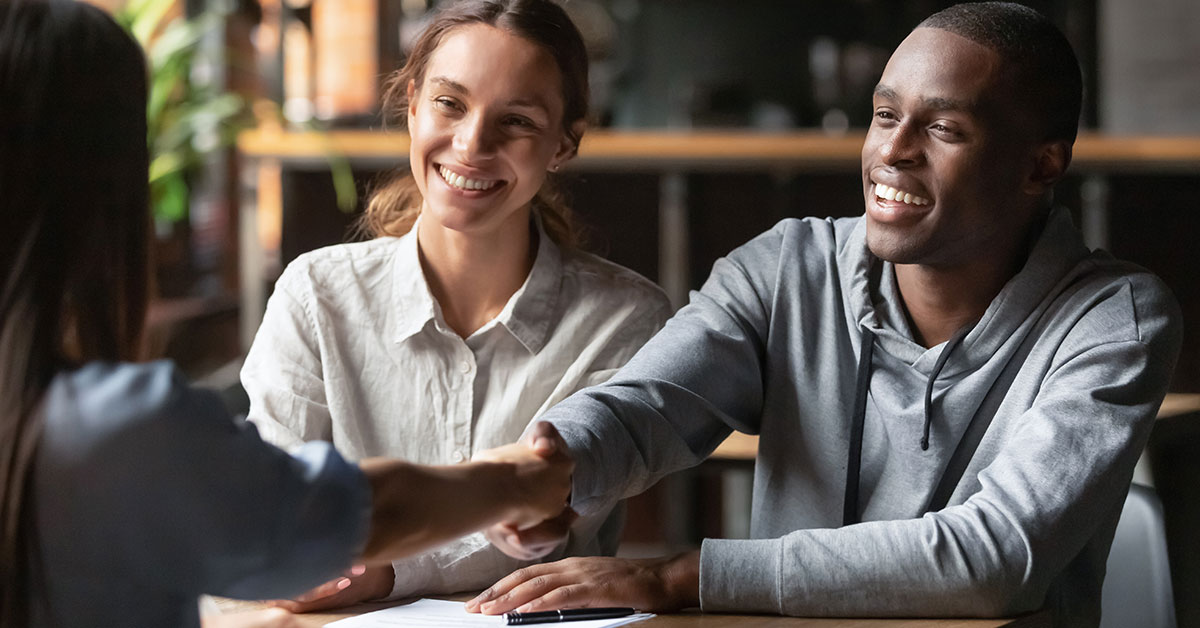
(1137, 588)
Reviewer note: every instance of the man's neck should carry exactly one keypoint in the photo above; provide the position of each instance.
(940, 302)
(941, 299)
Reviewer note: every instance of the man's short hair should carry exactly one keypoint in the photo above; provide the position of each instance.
(1043, 64)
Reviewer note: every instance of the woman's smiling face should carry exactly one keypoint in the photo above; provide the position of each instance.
(485, 125)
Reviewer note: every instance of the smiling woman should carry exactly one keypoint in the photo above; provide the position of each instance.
(551, 76)
(472, 310)
(485, 130)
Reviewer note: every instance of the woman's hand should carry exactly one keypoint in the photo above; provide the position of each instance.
(415, 507)
(358, 585)
(535, 542)
(542, 479)
(655, 584)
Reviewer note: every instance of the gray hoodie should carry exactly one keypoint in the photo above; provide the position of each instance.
(1047, 400)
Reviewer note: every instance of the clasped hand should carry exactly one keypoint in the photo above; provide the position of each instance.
(529, 540)
(542, 481)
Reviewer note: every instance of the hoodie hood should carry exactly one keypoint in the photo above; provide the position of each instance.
(873, 299)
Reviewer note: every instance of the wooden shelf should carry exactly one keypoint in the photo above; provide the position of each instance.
(669, 154)
(713, 150)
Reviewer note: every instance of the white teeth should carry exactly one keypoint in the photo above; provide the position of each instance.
(892, 194)
(463, 183)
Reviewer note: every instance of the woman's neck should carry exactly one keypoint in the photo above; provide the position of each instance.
(473, 276)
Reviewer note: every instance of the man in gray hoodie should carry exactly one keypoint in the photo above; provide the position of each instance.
(950, 391)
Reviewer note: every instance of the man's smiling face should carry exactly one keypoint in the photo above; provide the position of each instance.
(947, 156)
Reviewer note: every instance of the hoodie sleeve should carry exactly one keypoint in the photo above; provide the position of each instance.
(668, 408)
(1050, 494)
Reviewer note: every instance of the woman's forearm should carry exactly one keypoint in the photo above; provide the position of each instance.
(416, 507)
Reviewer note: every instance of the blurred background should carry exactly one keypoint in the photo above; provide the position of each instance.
(712, 120)
(300, 80)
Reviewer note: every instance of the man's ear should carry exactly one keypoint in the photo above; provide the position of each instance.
(566, 147)
(1050, 164)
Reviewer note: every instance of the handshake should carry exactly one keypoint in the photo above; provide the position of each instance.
(516, 493)
(541, 517)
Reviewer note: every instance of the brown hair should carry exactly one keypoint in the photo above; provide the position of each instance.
(73, 231)
(394, 206)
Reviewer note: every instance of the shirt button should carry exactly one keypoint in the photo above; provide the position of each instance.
(458, 456)
(465, 367)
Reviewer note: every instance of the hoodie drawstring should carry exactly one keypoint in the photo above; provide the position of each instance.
(854, 461)
(861, 389)
(937, 370)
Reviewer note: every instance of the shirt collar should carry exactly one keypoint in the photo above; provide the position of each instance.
(528, 315)
(530, 312)
(415, 306)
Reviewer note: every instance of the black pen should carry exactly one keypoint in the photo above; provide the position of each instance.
(570, 614)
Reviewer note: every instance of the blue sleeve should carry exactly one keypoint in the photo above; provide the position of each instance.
(163, 487)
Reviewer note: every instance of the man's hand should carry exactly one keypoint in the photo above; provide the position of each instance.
(358, 585)
(655, 584)
(535, 542)
(542, 482)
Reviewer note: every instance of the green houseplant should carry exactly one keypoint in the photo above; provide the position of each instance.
(188, 117)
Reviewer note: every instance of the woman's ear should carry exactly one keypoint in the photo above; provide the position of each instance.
(411, 92)
(1049, 166)
(566, 147)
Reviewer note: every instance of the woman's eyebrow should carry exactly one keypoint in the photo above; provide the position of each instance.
(449, 84)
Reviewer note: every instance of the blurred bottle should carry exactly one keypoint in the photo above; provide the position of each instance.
(297, 61)
(346, 42)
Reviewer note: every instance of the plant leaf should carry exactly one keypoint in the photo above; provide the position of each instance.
(170, 197)
(147, 16)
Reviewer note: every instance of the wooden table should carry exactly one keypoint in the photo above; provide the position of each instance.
(695, 619)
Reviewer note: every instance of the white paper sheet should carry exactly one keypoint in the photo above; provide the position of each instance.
(442, 614)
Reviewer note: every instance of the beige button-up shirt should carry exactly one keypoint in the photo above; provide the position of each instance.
(353, 349)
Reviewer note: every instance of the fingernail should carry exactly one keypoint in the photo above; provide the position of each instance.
(358, 570)
(343, 583)
(524, 608)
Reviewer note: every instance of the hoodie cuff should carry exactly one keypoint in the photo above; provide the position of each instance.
(742, 576)
(585, 498)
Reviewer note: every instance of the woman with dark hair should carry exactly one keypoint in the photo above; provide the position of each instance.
(472, 310)
(124, 494)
